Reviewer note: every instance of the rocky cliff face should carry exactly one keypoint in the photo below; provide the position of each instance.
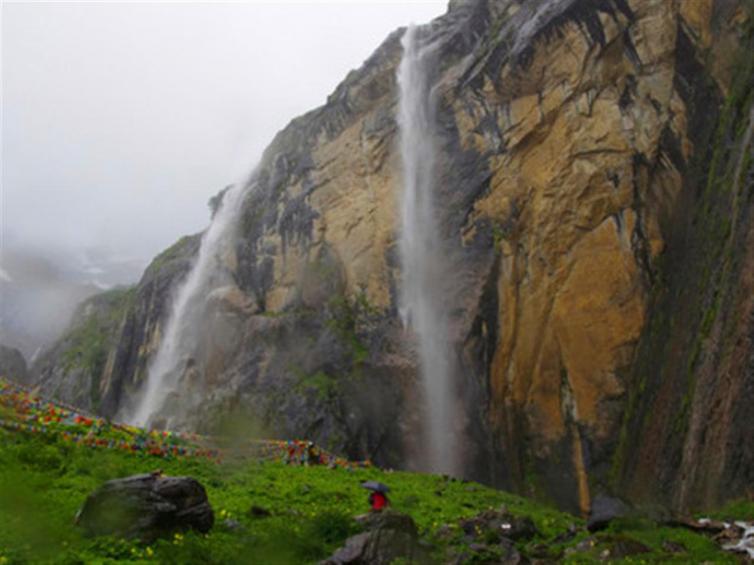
(13, 364)
(594, 180)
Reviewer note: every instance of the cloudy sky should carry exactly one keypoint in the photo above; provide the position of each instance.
(119, 121)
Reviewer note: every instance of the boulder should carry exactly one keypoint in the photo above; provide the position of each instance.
(494, 526)
(389, 536)
(621, 547)
(146, 507)
(604, 510)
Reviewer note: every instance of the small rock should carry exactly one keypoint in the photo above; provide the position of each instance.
(259, 512)
(510, 555)
(703, 525)
(622, 547)
(444, 532)
(604, 510)
(746, 542)
(584, 545)
(232, 525)
(491, 526)
(728, 535)
(673, 547)
(568, 535)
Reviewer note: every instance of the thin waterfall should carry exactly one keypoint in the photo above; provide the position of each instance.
(180, 337)
(424, 306)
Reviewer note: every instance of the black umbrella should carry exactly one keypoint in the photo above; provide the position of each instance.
(375, 486)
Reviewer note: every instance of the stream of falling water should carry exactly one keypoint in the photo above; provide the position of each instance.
(179, 338)
(424, 307)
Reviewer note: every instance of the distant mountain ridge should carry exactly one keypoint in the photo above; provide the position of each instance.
(41, 288)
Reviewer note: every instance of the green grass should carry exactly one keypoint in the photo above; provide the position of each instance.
(43, 481)
(736, 510)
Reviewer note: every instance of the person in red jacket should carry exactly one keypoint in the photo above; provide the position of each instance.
(378, 501)
(377, 495)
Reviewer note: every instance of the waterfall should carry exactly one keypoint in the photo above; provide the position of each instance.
(424, 307)
(179, 339)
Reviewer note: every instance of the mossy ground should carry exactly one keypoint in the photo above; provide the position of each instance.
(43, 481)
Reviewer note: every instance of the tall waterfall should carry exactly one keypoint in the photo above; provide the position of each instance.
(423, 305)
(179, 338)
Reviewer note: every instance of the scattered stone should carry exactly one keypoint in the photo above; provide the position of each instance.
(703, 525)
(746, 542)
(510, 555)
(621, 547)
(492, 526)
(730, 534)
(568, 535)
(146, 507)
(444, 532)
(259, 512)
(390, 536)
(673, 547)
(604, 510)
(583, 546)
(232, 525)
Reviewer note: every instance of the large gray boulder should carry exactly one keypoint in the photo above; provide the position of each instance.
(146, 507)
(604, 510)
(389, 536)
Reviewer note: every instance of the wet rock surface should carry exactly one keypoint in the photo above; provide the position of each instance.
(742, 539)
(13, 364)
(389, 536)
(492, 536)
(146, 507)
(736, 536)
(494, 526)
(604, 510)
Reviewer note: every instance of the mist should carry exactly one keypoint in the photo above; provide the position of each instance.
(120, 121)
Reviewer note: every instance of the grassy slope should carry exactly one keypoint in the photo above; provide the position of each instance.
(44, 481)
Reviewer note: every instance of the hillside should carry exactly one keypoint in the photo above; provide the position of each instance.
(267, 511)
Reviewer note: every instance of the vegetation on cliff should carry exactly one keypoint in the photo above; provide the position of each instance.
(78, 360)
(699, 309)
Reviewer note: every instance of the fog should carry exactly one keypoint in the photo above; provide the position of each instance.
(121, 120)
